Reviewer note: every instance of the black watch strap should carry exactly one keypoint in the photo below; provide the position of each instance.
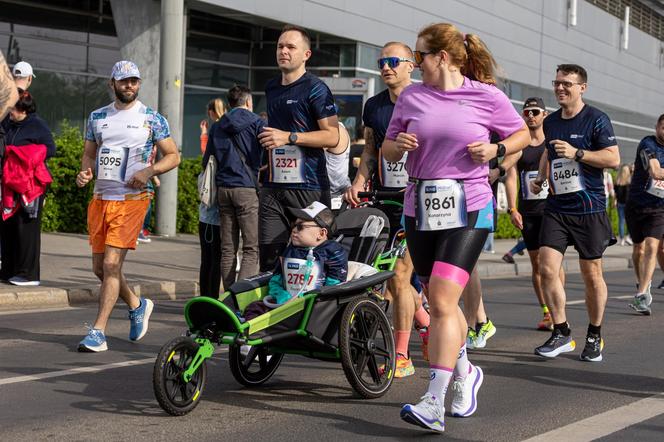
(501, 171)
(500, 152)
(579, 155)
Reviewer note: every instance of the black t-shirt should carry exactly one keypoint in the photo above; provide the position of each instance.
(297, 107)
(529, 162)
(377, 115)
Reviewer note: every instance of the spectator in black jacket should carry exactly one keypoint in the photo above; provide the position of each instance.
(233, 142)
(20, 234)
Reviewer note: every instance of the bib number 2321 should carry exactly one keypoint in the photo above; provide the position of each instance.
(440, 205)
(287, 165)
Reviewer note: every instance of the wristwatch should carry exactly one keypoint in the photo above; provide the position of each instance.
(579, 155)
(500, 152)
(501, 170)
(292, 138)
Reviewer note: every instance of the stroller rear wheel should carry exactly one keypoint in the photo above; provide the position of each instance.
(367, 348)
(254, 368)
(174, 394)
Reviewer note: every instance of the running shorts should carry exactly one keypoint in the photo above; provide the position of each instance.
(116, 223)
(590, 234)
(644, 224)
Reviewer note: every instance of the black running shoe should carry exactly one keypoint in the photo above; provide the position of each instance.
(661, 285)
(556, 344)
(592, 352)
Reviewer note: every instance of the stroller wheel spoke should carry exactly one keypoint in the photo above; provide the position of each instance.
(373, 369)
(381, 352)
(358, 343)
(251, 356)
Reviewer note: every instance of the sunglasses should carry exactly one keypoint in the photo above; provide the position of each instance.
(565, 84)
(419, 56)
(392, 62)
(531, 112)
(301, 226)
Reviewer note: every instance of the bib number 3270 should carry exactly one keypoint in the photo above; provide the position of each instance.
(440, 205)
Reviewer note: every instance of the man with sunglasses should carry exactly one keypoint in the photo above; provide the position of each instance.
(528, 216)
(396, 65)
(302, 123)
(580, 143)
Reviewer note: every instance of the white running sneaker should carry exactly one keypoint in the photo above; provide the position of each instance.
(464, 402)
(429, 413)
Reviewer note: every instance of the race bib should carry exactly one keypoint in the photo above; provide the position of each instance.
(656, 187)
(294, 271)
(112, 163)
(566, 176)
(528, 177)
(287, 165)
(393, 173)
(335, 203)
(440, 205)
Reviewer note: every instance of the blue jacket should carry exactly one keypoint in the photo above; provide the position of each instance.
(243, 126)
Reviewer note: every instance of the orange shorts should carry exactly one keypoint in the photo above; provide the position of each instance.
(115, 223)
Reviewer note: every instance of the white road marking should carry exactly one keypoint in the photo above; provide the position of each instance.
(92, 369)
(606, 423)
(582, 301)
(57, 374)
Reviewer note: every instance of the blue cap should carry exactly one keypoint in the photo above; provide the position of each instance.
(125, 69)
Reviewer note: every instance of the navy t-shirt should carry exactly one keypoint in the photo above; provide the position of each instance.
(590, 129)
(639, 197)
(297, 107)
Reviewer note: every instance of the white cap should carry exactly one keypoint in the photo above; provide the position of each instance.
(23, 69)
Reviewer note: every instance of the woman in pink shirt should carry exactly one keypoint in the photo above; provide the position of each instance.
(444, 124)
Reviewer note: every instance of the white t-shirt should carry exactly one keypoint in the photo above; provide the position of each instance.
(126, 143)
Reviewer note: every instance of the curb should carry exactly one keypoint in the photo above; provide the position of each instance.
(47, 297)
(501, 270)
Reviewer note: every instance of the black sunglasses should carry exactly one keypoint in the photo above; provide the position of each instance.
(531, 112)
(301, 226)
(419, 56)
(392, 62)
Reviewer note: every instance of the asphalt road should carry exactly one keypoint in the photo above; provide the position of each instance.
(49, 391)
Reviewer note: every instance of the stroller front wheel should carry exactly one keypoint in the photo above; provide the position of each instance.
(175, 395)
(367, 348)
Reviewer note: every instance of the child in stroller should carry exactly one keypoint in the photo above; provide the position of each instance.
(308, 263)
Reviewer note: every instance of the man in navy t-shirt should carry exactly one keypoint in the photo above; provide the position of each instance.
(579, 143)
(302, 122)
(645, 212)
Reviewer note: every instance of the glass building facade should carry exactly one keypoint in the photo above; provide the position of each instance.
(72, 46)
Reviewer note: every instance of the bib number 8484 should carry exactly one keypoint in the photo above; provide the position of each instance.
(565, 174)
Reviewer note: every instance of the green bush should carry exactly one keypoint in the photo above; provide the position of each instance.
(187, 217)
(505, 228)
(65, 208)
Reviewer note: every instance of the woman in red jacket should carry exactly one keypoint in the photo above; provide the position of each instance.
(20, 234)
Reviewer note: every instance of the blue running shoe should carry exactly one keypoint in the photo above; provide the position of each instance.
(95, 341)
(139, 319)
(429, 413)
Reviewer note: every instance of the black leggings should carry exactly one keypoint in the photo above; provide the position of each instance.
(460, 247)
(209, 277)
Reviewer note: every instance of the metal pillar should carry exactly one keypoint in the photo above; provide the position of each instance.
(171, 73)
